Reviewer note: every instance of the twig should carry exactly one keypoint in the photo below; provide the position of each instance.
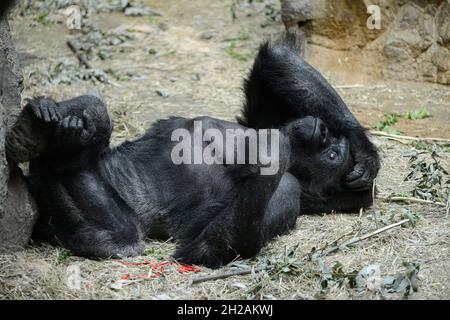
(227, 274)
(350, 242)
(77, 53)
(141, 66)
(397, 136)
(448, 206)
(363, 237)
(358, 85)
(85, 63)
(412, 199)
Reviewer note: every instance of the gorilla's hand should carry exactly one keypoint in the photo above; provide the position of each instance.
(74, 130)
(363, 173)
(45, 110)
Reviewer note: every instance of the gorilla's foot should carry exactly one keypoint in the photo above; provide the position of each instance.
(30, 134)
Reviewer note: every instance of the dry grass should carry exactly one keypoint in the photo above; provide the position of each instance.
(43, 272)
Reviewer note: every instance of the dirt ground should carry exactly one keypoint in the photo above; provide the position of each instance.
(191, 61)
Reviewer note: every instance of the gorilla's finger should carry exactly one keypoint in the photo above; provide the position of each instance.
(79, 123)
(65, 122)
(357, 171)
(73, 122)
(55, 115)
(45, 113)
(89, 126)
(362, 183)
(88, 123)
(36, 110)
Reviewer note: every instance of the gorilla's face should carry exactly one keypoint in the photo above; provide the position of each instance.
(320, 159)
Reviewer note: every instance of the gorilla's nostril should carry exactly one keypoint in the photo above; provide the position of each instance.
(322, 127)
(323, 132)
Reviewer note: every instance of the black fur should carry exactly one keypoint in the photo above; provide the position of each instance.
(5, 5)
(282, 87)
(101, 202)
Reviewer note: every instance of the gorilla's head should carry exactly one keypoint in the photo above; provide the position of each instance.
(320, 159)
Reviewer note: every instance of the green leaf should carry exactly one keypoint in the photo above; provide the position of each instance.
(417, 114)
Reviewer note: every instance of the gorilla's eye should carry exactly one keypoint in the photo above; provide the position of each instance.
(332, 155)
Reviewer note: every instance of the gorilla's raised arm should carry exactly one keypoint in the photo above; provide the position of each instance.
(282, 86)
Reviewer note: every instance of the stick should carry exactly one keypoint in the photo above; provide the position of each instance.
(350, 86)
(397, 136)
(226, 274)
(141, 66)
(350, 242)
(448, 206)
(85, 63)
(77, 53)
(366, 236)
(412, 199)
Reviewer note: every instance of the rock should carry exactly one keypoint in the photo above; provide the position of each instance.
(207, 35)
(370, 277)
(17, 210)
(408, 16)
(441, 59)
(443, 78)
(142, 11)
(443, 24)
(426, 68)
(426, 30)
(293, 12)
(412, 43)
(163, 93)
(19, 216)
(408, 39)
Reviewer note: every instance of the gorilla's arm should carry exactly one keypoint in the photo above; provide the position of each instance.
(282, 87)
(283, 208)
(64, 131)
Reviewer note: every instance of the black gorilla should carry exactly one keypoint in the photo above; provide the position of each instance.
(99, 201)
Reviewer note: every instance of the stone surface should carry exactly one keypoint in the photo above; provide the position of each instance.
(414, 35)
(297, 11)
(17, 210)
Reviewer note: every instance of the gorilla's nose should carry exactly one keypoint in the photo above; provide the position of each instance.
(320, 132)
(310, 131)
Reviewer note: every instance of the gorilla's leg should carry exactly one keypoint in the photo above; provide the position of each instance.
(283, 208)
(238, 230)
(47, 128)
(84, 215)
(31, 132)
(78, 209)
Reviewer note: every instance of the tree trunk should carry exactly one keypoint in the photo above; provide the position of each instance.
(17, 209)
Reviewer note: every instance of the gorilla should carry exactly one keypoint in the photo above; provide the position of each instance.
(100, 202)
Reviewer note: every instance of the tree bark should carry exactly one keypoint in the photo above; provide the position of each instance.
(17, 209)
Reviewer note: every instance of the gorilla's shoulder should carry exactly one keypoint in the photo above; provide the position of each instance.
(164, 126)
